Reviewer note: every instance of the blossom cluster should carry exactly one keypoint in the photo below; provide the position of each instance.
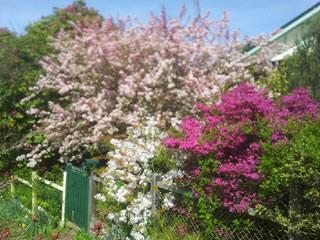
(298, 104)
(228, 132)
(112, 75)
(129, 173)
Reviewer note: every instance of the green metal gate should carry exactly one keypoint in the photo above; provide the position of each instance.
(77, 208)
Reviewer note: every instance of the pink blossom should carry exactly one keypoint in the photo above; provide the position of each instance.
(222, 134)
(116, 74)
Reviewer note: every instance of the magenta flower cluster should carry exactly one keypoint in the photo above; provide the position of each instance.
(298, 104)
(227, 132)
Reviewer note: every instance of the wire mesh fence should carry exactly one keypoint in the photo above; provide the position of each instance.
(182, 226)
(168, 224)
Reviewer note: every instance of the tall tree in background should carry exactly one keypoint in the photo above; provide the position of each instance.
(302, 69)
(20, 69)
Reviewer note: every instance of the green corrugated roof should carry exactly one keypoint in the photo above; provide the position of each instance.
(315, 9)
(301, 15)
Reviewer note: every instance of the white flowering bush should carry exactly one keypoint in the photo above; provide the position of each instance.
(128, 176)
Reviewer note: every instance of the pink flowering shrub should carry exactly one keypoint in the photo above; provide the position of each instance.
(298, 104)
(226, 133)
(116, 74)
(224, 144)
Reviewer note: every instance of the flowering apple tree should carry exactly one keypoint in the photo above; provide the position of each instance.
(112, 76)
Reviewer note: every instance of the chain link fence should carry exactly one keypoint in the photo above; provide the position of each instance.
(172, 225)
(182, 226)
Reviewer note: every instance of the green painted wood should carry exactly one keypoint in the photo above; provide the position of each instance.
(77, 197)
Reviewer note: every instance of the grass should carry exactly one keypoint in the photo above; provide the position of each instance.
(172, 228)
(16, 223)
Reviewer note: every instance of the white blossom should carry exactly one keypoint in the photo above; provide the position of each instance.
(130, 164)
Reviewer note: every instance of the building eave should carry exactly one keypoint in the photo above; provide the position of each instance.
(288, 27)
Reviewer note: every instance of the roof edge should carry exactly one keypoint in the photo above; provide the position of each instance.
(300, 15)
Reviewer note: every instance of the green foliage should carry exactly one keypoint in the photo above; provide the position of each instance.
(276, 82)
(20, 69)
(164, 161)
(20, 223)
(23, 194)
(172, 229)
(299, 70)
(39, 33)
(290, 165)
(49, 199)
(17, 72)
(54, 174)
(171, 226)
(22, 172)
(81, 235)
(302, 68)
(208, 204)
(104, 208)
(117, 232)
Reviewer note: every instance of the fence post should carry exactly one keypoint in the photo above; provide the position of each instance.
(154, 193)
(12, 188)
(63, 205)
(34, 194)
(91, 202)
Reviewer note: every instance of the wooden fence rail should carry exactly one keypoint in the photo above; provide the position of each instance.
(31, 184)
(155, 187)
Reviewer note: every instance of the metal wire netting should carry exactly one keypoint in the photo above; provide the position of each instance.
(256, 228)
(168, 224)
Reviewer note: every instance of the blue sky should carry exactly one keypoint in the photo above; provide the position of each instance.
(252, 17)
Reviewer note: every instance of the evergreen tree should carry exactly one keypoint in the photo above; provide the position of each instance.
(302, 69)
